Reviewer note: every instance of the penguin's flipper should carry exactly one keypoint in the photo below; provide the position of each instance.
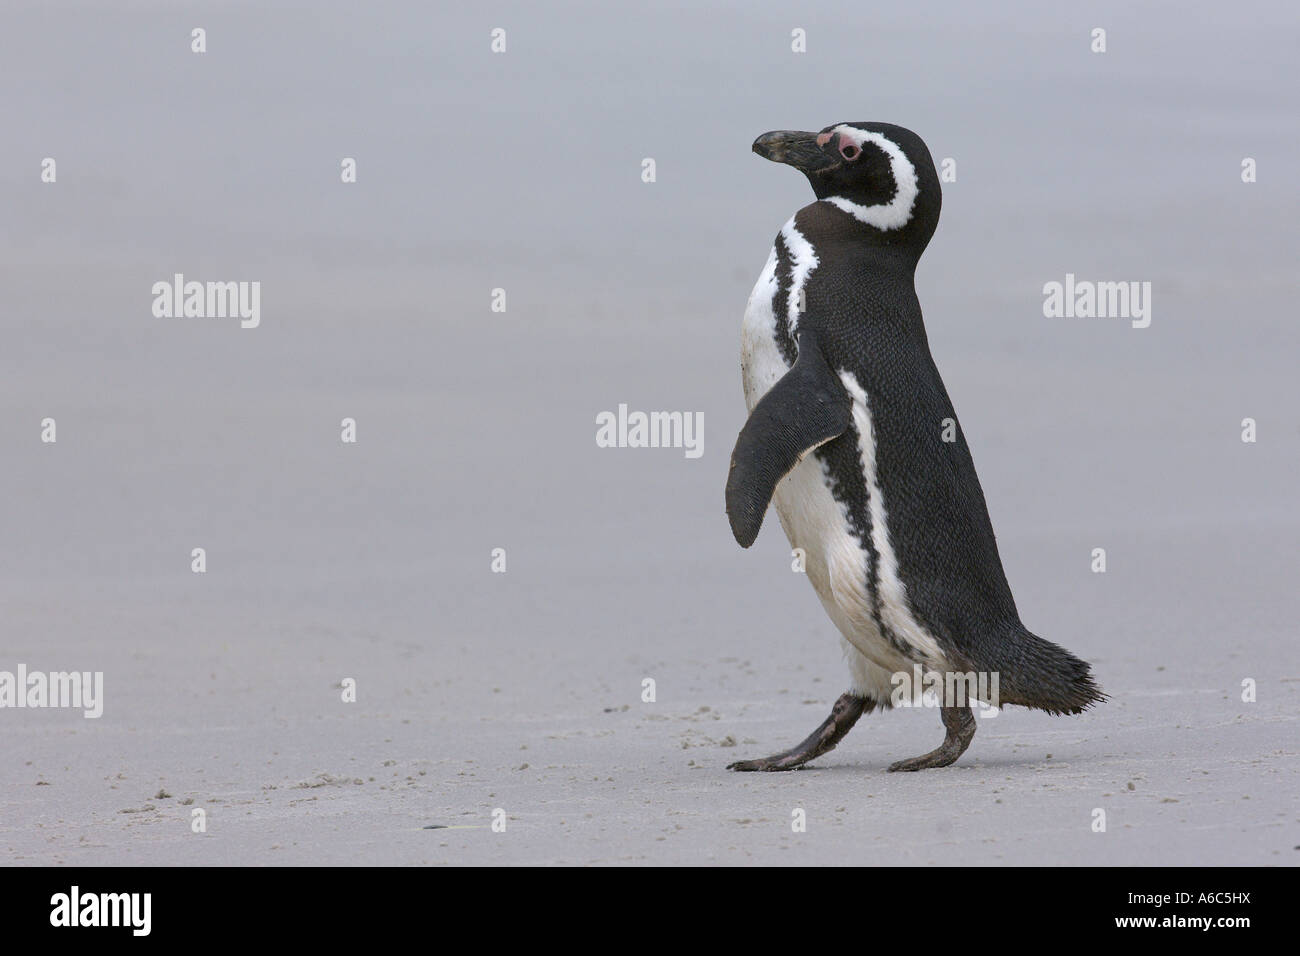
(808, 407)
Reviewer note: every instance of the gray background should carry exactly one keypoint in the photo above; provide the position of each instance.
(477, 430)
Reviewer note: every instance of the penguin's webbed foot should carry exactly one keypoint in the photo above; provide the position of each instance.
(843, 716)
(960, 725)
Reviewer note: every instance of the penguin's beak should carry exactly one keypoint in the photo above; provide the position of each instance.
(794, 148)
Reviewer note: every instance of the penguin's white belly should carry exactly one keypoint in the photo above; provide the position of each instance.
(835, 560)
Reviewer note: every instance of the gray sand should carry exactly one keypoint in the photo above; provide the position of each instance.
(522, 690)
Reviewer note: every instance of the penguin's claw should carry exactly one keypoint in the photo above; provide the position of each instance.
(960, 725)
(941, 757)
(843, 716)
(781, 761)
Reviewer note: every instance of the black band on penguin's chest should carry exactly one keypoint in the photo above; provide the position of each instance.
(781, 302)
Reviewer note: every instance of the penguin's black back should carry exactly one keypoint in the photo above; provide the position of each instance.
(861, 302)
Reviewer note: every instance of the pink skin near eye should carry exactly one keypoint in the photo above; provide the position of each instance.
(847, 148)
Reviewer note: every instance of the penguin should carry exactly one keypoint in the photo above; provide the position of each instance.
(852, 437)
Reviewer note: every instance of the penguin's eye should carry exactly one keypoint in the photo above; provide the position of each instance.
(850, 151)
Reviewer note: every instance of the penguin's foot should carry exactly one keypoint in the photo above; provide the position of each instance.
(960, 724)
(843, 716)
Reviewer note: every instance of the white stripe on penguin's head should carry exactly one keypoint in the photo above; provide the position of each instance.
(896, 213)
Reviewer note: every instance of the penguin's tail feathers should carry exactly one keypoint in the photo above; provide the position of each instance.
(1037, 673)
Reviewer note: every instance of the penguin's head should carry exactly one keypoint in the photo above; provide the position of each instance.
(879, 173)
